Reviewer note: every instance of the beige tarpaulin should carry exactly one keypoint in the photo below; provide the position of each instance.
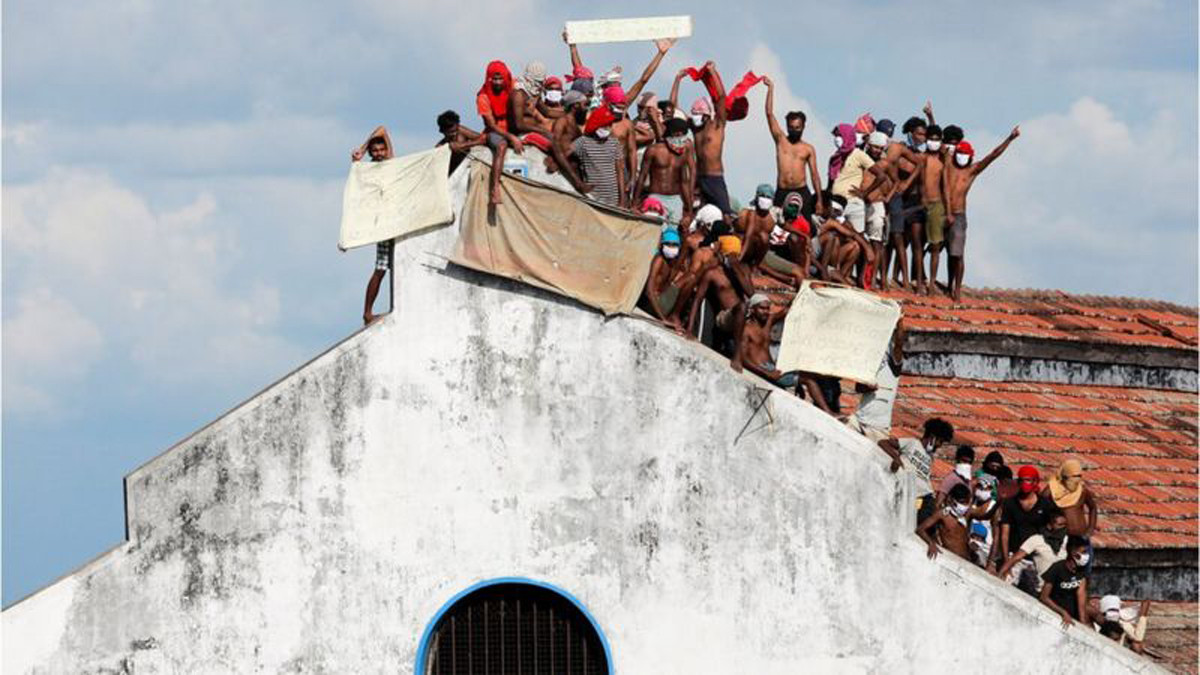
(556, 241)
(839, 331)
(395, 197)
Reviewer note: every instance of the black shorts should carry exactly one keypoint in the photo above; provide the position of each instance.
(807, 209)
(713, 191)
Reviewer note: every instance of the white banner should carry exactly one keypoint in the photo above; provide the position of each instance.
(838, 331)
(395, 197)
(628, 30)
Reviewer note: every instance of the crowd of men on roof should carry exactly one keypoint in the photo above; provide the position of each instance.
(885, 206)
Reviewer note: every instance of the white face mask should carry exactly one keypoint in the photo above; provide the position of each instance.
(983, 495)
(670, 252)
(837, 141)
(603, 132)
(554, 96)
(959, 510)
(963, 470)
(1113, 615)
(961, 159)
(764, 203)
(858, 139)
(933, 146)
(1082, 559)
(698, 120)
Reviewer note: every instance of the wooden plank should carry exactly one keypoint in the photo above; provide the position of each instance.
(628, 30)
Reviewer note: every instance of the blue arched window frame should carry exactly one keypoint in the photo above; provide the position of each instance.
(427, 636)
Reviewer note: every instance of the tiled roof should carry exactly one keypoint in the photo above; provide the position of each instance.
(1171, 634)
(1138, 446)
(1053, 315)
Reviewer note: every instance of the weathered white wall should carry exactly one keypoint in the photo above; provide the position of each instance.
(486, 429)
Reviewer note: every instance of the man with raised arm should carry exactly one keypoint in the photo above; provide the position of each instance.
(932, 167)
(957, 179)
(708, 126)
(378, 147)
(793, 158)
(667, 173)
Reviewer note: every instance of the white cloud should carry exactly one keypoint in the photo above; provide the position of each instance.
(1087, 202)
(48, 345)
(158, 286)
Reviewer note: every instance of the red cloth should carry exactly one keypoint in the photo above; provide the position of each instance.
(537, 140)
(736, 105)
(600, 117)
(496, 104)
(865, 124)
(801, 224)
(579, 73)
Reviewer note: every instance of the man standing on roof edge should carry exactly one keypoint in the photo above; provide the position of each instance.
(378, 147)
(793, 158)
(708, 127)
(959, 176)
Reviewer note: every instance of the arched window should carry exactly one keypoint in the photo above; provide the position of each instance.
(513, 627)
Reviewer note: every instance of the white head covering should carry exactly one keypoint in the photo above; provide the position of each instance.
(709, 214)
(533, 79)
(878, 139)
(1110, 602)
(758, 299)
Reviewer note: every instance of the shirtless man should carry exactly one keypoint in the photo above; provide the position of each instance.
(932, 167)
(1072, 495)
(550, 107)
(378, 147)
(716, 283)
(756, 224)
(957, 181)
(670, 284)
(526, 95)
(562, 138)
(708, 126)
(459, 138)
(951, 524)
(755, 350)
(842, 246)
(667, 173)
(793, 157)
(904, 205)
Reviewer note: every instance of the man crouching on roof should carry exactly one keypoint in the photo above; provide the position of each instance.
(670, 284)
(378, 147)
(755, 350)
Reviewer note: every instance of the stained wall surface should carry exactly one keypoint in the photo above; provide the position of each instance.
(485, 429)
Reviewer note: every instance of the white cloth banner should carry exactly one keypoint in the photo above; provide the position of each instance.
(838, 331)
(395, 197)
(628, 30)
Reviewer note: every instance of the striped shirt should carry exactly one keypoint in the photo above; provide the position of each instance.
(599, 162)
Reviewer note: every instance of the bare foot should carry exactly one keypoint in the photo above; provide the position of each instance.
(495, 197)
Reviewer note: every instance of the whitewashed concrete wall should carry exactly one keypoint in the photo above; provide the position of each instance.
(485, 429)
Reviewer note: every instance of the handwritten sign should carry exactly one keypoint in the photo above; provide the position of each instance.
(837, 331)
(556, 241)
(628, 30)
(395, 197)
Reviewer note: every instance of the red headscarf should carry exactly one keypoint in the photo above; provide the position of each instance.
(600, 117)
(498, 102)
(1027, 473)
(865, 124)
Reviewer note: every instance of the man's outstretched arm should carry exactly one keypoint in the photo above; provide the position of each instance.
(928, 110)
(718, 100)
(675, 88)
(999, 150)
(575, 60)
(663, 47)
(380, 132)
(772, 123)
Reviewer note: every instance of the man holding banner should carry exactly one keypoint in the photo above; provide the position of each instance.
(379, 147)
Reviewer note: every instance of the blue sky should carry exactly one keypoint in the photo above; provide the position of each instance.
(172, 178)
